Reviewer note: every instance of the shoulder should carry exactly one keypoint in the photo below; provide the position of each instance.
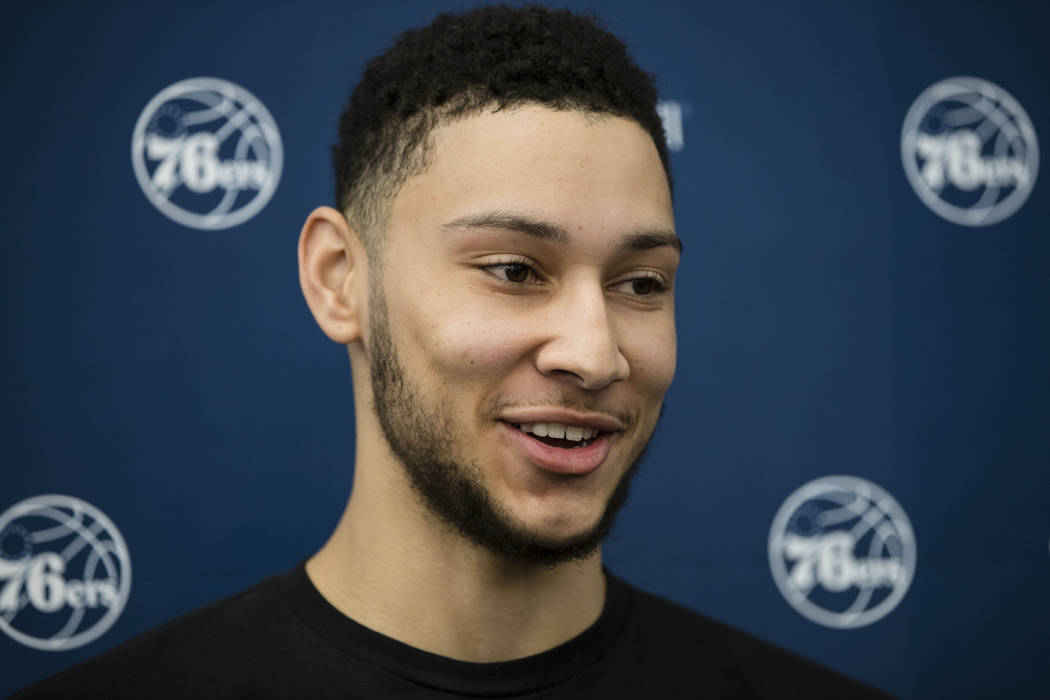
(741, 664)
(208, 640)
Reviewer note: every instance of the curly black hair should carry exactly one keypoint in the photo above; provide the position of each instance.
(459, 64)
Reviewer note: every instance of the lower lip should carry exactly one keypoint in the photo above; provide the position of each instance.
(574, 460)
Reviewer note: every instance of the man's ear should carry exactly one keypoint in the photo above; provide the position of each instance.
(333, 269)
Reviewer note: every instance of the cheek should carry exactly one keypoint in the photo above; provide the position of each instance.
(461, 343)
(652, 355)
(473, 349)
(438, 324)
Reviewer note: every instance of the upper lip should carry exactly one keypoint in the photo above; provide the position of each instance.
(599, 421)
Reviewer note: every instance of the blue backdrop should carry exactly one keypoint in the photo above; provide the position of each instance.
(830, 322)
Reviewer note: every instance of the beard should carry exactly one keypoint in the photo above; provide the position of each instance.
(424, 439)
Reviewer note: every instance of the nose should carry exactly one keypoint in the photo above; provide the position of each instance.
(581, 343)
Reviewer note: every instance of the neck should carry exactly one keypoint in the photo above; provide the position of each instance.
(392, 566)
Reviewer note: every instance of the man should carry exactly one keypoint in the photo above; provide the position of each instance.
(501, 272)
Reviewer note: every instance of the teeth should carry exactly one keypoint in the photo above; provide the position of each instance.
(560, 430)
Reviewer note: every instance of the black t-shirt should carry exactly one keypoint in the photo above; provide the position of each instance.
(282, 639)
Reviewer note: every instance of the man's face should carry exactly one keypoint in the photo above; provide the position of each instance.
(522, 329)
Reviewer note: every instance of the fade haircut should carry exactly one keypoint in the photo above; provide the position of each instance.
(492, 57)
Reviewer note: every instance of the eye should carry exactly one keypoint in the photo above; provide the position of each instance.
(514, 272)
(647, 285)
(643, 285)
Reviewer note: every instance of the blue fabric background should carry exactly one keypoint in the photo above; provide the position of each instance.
(829, 322)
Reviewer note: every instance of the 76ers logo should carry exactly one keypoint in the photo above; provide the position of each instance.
(842, 551)
(969, 151)
(207, 153)
(65, 573)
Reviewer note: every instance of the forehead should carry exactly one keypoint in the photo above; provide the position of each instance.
(587, 172)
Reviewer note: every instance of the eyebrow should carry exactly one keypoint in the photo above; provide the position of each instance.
(648, 240)
(546, 231)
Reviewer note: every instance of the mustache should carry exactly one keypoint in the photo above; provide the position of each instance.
(563, 398)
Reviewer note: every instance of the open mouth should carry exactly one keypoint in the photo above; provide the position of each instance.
(560, 435)
(562, 448)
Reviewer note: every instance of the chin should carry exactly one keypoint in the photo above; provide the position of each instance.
(568, 517)
(549, 530)
(557, 529)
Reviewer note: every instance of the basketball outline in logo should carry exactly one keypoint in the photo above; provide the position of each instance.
(37, 577)
(952, 157)
(172, 156)
(821, 544)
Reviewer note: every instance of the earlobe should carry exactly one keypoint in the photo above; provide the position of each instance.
(332, 267)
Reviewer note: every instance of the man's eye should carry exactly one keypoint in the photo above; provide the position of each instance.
(516, 272)
(513, 272)
(642, 286)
